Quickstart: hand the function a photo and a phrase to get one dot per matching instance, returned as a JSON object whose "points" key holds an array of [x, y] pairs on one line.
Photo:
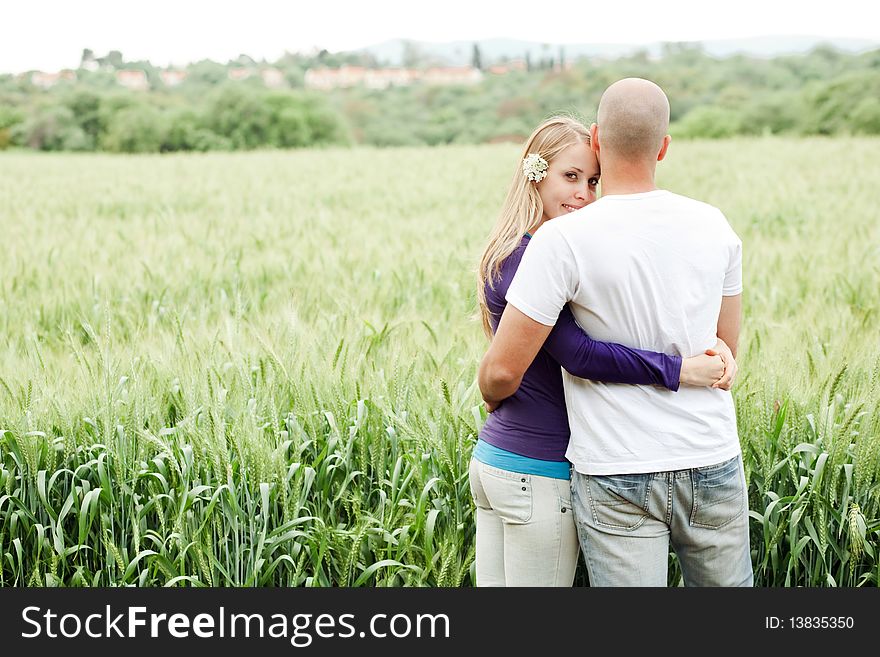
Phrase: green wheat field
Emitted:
{"points": [[258, 369]]}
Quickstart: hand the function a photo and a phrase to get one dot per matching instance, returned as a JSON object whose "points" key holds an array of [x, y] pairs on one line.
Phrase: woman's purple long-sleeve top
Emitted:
{"points": [[533, 421]]}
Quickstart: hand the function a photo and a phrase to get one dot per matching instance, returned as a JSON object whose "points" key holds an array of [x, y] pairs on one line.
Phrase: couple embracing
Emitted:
{"points": [[614, 324]]}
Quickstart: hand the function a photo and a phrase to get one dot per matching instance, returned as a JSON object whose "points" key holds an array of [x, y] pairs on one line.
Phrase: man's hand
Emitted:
{"points": [[491, 406], [730, 367]]}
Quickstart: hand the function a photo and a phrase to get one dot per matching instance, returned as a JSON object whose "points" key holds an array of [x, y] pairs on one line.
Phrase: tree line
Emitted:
{"points": [[823, 92]]}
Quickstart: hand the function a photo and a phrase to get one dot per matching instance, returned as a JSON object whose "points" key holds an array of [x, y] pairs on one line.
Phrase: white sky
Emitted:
{"points": [[50, 35]]}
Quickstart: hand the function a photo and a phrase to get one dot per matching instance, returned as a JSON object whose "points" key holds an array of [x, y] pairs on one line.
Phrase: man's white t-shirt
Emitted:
{"points": [[646, 270]]}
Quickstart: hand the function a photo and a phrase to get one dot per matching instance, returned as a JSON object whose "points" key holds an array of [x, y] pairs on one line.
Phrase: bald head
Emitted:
{"points": [[633, 119]]}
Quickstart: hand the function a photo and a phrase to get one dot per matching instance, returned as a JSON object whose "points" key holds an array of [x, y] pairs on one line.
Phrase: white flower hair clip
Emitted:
{"points": [[534, 167]]}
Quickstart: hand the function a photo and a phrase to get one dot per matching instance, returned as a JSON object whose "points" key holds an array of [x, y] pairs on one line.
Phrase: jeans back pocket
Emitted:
{"points": [[618, 501], [509, 493], [719, 494]]}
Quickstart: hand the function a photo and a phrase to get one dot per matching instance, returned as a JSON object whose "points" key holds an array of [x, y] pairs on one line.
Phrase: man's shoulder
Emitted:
{"points": [[552, 243], [562, 227], [549, 231], [693, 204], [705, 214]]}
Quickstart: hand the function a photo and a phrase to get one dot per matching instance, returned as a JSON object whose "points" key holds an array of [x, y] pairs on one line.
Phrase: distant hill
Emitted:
{"points": [[459, 53]]}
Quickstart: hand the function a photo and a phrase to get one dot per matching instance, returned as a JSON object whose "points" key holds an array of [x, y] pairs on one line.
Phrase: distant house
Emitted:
{"points": [[46, 80], [335, 78], [344, 77], [452, 75], [382, 78], [173, 78], [240, 73], [508, 67], [132, 80], [273, 78]]}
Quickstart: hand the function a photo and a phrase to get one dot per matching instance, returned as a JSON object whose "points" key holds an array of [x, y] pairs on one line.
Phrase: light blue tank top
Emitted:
{"points": [[501, 458]]}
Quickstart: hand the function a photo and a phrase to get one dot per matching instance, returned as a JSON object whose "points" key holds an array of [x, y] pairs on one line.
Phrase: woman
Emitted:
{"points": [[519, 476]]}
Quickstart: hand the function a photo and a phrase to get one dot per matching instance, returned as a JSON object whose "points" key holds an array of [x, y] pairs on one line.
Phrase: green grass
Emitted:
{"points": [[258, 369]]}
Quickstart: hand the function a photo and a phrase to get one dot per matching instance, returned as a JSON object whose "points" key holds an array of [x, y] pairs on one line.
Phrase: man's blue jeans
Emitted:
{"points": [[626, 523]]}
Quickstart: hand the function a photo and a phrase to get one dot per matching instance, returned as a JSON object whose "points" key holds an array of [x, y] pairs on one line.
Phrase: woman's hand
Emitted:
{"points": [[716, 367], [491, 406], [703, 370], [730, 367]]}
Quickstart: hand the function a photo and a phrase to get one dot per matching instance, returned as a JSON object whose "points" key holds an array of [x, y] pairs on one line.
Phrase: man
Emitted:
{"points": [[659, 271]]}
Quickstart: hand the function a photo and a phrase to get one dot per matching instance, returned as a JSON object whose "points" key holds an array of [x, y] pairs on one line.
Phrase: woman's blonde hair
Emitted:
{"points": [[523, 208]]}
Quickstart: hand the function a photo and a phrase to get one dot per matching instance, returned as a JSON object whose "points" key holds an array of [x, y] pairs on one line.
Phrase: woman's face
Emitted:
{"points": [[571, 181]]}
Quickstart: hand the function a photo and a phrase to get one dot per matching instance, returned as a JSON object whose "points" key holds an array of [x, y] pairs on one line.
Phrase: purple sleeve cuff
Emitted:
{"points": [[610, 362]]}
